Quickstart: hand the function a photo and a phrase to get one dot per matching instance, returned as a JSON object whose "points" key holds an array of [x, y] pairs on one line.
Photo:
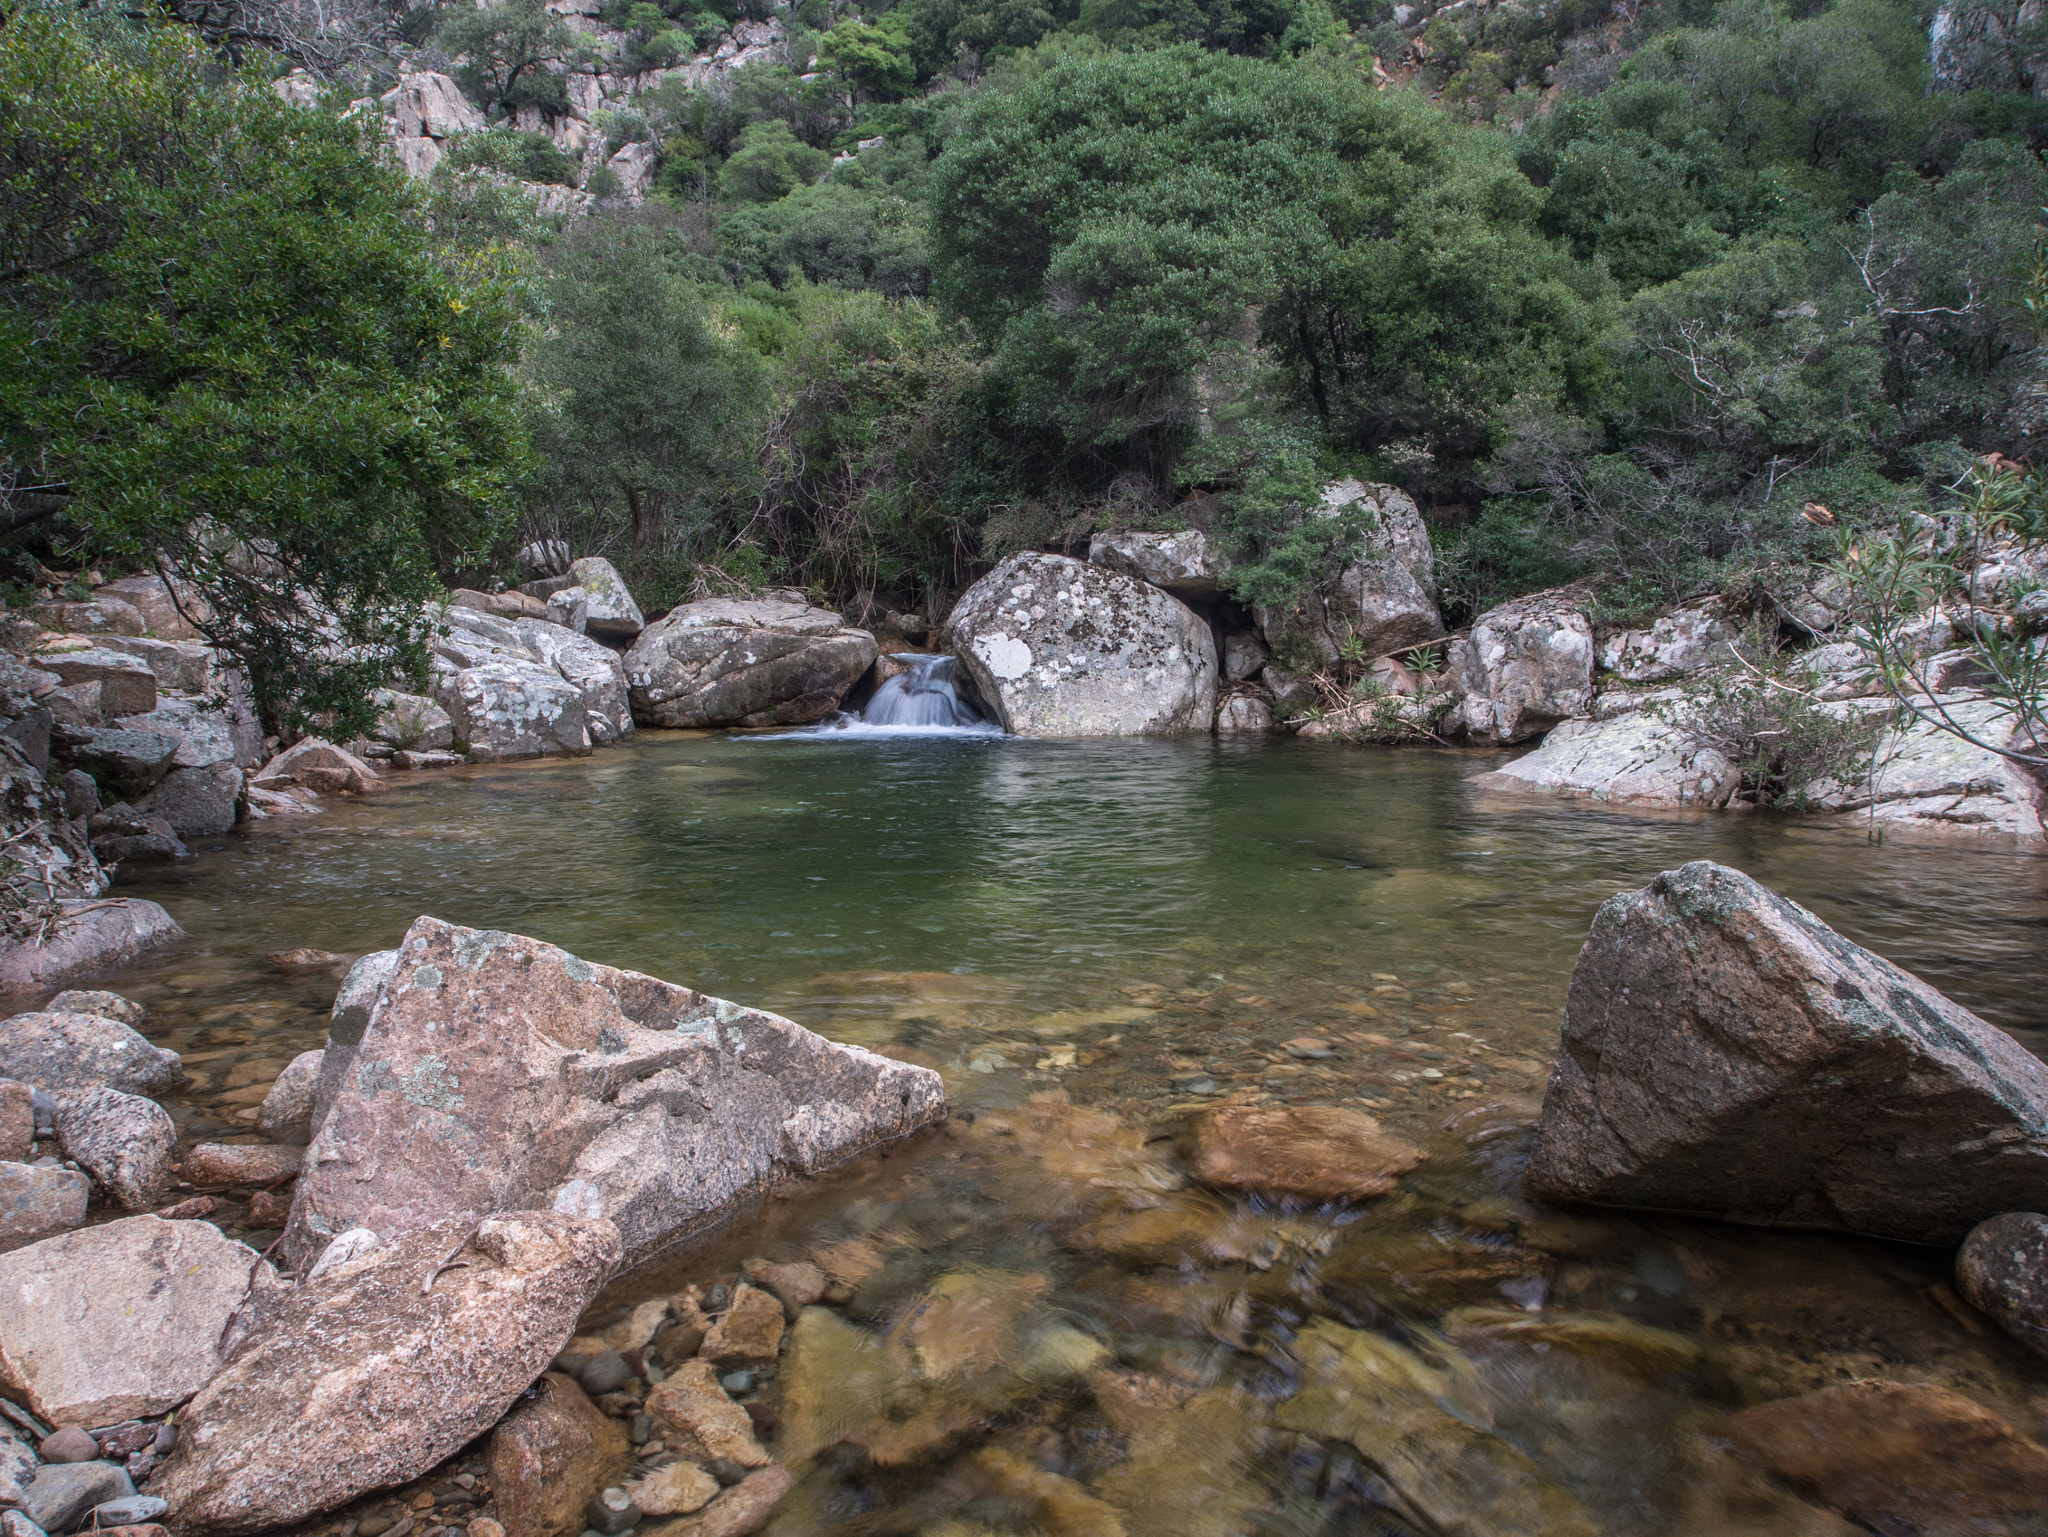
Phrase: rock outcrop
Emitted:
{"points": [[499, 1073], [1638, 759], [422, 112], [1925, 780], [1727, 1053], [384, 1366], [1379, 600], [1058, 647], [119, 1320], [1182, 563], [1524, 667], [745, 662]]}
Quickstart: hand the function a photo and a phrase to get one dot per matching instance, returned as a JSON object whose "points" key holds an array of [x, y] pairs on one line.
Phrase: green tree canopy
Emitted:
{"points": [[228, 341]]}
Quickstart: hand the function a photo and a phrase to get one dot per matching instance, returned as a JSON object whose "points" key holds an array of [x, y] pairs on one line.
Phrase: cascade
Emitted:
{"points": [[922, 696]]}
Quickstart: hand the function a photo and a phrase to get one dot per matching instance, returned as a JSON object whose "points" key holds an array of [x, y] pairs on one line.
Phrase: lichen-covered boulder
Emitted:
{"points": [[1683, 641], [1637, 759], [513, 709], [410, 722], [596, 671], [1058, 647], [197, 802], [1727, 1053], [498, 1073], [609, 611], [1379, 599], [1182, 563], [1525, 666], [745, 662]]}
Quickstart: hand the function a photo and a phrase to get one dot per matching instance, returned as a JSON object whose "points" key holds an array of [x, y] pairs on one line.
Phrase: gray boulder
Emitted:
{"points": [[127, 685], [197, 802], [207, 735], [595, 670], [88, 937], [770, 661], [1057, 647], [410, 721], [1244, 656], [1181, 563], [130, 763], [1930, 782], [2002, 1270], [511, 710], [63, 1494], [1681, 642], [1636, 759], [183, 666], [382, 1368], [122, 1140], [38, 1202], [286, 1114], [140, 1337], [168, 607], [1245, 715], [609, 611], [1524, 667], [1378, 600], [83, 1051], [1727, 1053], [569, 607], [498, 1073], [106, 1005]]}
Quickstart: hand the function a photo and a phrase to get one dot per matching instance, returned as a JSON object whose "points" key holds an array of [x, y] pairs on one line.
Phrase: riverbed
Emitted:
{"points": [[1089, 938]]}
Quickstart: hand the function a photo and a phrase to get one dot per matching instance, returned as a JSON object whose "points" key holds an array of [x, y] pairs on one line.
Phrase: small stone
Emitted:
{"points": [[743, 1508], [373, 1526], [1314, 1048], [268, 1210], [679, 1342], [71, 1444], [2002, 1268], [547, 1455], [122, 1140], [484, 1526], [63, 1492], [1315, 1152], [218, 1165], [737, 1383], [700, 1421], [286, 1114], [750, 1332], [676, 1490], [606, 1373], [198, 1206], [129, 1511]]}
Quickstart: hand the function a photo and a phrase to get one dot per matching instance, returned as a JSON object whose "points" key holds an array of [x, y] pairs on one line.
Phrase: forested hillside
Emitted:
{"points": [[860, 300]]}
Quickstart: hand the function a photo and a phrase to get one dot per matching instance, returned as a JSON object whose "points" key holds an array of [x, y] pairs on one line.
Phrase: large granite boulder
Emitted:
{"points": [[84, 938], [129, 763], [1638, 759], [498, 1073], [118, 1320], [525, 688], [197, 802], [1380, 598], [1727, 1053], [595, 670], [83, 1051], [1524, 667], [745, 662], [381, 1368], [1681, 642], [207, 735], [1927, 781], [182, 666], [1058, 647], [609, 612], [410, 722], [1182, 563]]}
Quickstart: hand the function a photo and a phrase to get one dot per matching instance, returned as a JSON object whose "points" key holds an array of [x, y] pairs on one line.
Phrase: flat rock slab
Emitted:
{"points": [[83, 1051], [378, 1371], [93, 935], [498, 1073], [1727, 1053], [1632, 760], [1314, 1152], [117, 1321]]}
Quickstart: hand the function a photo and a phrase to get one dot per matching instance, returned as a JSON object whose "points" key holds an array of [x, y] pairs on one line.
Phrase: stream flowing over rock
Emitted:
{"points": [[1727, 1053], [769, 661], [498, 1073], [374, 1373], [1058, 647]]}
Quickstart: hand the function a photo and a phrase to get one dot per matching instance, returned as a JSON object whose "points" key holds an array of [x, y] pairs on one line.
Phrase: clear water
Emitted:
{"points": [[1123, 929]]}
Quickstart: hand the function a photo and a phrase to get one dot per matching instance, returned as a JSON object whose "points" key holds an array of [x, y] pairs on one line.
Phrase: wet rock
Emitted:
{"points": [[1181, 563], [732, 662], [71, 1444], [197, 802], [1314, 1152], [1444, 1472], [748, 1334], [1052, 1503], [547, 1457], [122, 1140], [140, 1339], [383, 1369], [39, 1203], [17, 1122], [127, 686], [676, 1490], [605, 1372], [1194, 1457], [83, 1051], [1609, 1338], [1056, 647], [637, 1327], [2002, 1269], [497, 1072], [63, 1494], [1683, 641], [1244, 714], [796, 1286], [1726, 1052], [1638, 759], [609, 610], [697, 1419], [1524, 667], [217, 1165], [742, 1509], [1898, 1457], [321, 767], [91, 935], [286, 1114]]}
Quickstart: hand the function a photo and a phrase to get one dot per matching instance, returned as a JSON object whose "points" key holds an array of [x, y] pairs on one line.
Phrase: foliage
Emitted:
{"points": [[228, 343], [506, 49], [832, 233], [769, 163]]}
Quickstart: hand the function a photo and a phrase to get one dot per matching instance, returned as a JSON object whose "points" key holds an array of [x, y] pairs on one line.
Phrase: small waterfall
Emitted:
{"points": [[922, 696]]}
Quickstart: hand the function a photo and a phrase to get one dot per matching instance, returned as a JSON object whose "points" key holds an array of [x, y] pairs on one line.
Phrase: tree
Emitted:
{"points": [[646, 408], [872, 62], [769, 162], [507, 49], [229, 345]]}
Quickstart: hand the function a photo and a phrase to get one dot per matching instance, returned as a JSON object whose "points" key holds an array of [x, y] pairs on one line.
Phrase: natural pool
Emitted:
{"points": [[1124, 929]]}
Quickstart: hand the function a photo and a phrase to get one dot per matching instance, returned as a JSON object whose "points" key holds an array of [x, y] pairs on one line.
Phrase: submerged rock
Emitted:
{"points": [[744, 662], [141, 1335], [1727, 1053], [548, 1456], [2002, 1269], [700, 1421], [83, 1051], [1636, 759], [1057, 647], [499, 1073], [382, 1369], [1314, 1152], [1525, 666]]}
